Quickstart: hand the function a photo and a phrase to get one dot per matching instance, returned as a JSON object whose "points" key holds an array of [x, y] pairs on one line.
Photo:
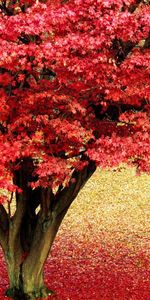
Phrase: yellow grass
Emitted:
{"points": [[114, 205]]}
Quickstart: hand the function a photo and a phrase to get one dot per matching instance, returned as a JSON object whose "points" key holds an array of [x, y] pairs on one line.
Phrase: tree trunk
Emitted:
{"points": [[27, 237], [26, 273]]}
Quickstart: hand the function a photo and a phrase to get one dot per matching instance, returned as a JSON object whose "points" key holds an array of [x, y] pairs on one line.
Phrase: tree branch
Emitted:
{"points": [[5, 9], [65, 197], [132, 8]]}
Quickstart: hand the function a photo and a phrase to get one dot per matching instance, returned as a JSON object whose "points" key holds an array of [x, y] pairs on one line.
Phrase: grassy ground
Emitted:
{"points": [[102, 249], [116, 203]]}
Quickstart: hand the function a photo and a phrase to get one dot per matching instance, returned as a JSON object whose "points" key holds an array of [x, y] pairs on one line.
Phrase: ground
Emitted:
{"points": [[101, 250]]}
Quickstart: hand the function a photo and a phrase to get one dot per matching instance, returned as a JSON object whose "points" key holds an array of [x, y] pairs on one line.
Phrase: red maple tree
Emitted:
{"points": [[75, 92]]}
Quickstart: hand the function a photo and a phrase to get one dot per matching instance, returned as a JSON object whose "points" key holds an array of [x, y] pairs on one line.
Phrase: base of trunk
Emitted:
{"points": [[18, 294]]}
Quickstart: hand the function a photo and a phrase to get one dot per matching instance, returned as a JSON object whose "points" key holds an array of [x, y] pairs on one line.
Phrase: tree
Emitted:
{"points": [[75, 92]]}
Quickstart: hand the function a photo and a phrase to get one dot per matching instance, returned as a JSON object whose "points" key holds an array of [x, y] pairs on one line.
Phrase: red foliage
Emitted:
{"points": [[94, 273], [64, 69]]}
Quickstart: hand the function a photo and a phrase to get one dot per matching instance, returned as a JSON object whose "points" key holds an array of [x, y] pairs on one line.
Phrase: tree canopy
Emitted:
{"points": [[74, 94], [74, 87]]}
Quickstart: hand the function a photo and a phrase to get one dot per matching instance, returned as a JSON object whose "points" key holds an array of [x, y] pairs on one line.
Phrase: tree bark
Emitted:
{"points": [[30, 235]]}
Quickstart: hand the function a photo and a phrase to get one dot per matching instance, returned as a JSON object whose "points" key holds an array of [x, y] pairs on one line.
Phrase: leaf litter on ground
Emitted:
{"points": [[101, 251]]}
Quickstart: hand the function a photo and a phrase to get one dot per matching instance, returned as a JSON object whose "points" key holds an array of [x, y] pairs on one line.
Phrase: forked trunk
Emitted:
{"points": [[28, 235], [26, 274]]}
